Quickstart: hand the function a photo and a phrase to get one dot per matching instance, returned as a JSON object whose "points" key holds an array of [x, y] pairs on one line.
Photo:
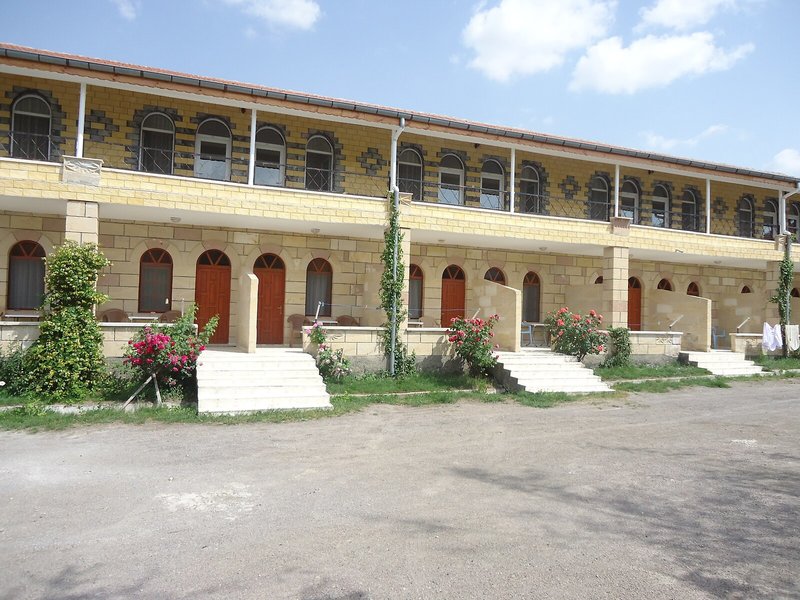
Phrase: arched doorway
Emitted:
{"points": [[271, 273], [531, 298], [212, 293], [453, 294], [634, 304]]}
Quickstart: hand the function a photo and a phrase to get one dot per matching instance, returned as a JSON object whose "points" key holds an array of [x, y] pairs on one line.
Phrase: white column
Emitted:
{"points": [[708, 205], [513, 177], [251, 168], [616, 190], [81, 121], [782, 212]]}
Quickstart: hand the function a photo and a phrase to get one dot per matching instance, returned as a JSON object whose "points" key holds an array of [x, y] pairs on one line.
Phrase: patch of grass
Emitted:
{"points": [[777, 363], [417, 382], [7, 399], [544, 399], [668, 385], [648, 371]]}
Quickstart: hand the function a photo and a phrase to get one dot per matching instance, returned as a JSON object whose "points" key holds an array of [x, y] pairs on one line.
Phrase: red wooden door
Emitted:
{"points": [[271, 274], [634, 304], [453, 294], [213, 293]]}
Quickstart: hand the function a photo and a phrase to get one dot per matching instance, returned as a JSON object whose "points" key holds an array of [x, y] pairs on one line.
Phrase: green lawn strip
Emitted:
{"points": [[773, 363], [648, 371], [658, 386], [9, 400], [418, 382]]}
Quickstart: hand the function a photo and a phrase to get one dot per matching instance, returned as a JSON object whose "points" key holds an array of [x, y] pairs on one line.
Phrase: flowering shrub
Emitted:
{"points": [[331, 363], [170, 351], [574, 334], [472, 339]]}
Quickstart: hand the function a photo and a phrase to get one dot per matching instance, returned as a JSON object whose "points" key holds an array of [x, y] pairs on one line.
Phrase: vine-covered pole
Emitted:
{"points": [[395, 191]]}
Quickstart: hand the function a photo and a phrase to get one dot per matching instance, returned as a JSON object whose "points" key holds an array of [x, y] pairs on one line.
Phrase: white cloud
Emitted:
{"points": [[129, 9], [523, 37], [664, 144], [787, 161], [651, 62], [298, 14], [683, 14]]}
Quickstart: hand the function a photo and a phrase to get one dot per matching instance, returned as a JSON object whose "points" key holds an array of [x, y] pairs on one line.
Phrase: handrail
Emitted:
{"points": [[740, 325], [671, 325]]}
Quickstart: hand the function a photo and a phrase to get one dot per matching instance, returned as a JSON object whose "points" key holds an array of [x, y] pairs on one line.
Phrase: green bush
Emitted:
{"points": [[472, 339], [331, 363], [67, 360], [619, 354], [12, 370]]}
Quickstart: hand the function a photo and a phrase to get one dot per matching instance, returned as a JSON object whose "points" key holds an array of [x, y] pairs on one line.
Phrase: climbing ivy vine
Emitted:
{"points": [[391, 294], [785, 280]]}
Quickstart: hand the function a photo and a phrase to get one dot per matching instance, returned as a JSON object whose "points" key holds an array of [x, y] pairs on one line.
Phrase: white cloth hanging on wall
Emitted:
{"points": [[793, 337], [778, 337], [768, 338]]}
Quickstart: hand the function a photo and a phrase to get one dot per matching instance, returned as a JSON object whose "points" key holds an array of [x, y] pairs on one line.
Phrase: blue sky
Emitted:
{"points": [[709, 79]]}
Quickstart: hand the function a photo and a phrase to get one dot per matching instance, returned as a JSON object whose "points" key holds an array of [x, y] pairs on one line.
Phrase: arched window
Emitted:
{"points": [[451, 180], [665, 285], [409, 173], [770, 228], [689, 216], [693, 290], [25, 276], [795, 293], [598, 199], [531, 298], [793, 218], [155, 281], [30, 128], [270, 164], [319, 287], [530, 199], [319, 164], [415, 288], [629, 201], [213, 150], [599, 280], [744, 215], [746, 290], [492, 185], [496, 275], [157, 144], [659, 217]]}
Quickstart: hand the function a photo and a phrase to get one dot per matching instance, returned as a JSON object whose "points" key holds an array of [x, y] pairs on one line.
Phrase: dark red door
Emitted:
{"points": [[213, 293], [453, 294], [634, 304], [271, 273]]}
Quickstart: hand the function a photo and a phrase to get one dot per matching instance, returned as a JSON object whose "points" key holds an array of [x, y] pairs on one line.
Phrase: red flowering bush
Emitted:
{"points": [[472, 339], [170, 351], [575, 334]]}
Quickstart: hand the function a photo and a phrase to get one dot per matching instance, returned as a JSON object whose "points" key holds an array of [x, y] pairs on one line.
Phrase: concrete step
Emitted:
{"points": [[269, 379], [724, 364], [542, 370]]}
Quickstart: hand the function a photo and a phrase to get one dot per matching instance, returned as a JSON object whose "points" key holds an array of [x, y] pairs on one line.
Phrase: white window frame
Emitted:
{"points": [[632, 196], [746, 206], [770, 210], [449, 186], [205, 137], [419, 165], [499, 178], [793, 216], [524, 196], [695, 214], [143, 128], [281, 150], [15, 112], [605, 191], [329, 154], [666, 199]]}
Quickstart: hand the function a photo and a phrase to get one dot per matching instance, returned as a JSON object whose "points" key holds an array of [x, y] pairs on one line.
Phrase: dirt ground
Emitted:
{"points": [[692, 494]]}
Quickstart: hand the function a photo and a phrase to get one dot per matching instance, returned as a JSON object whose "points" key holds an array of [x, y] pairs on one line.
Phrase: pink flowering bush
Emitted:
{"points": [[331, 363], [472, 340], [575, 334], [169, 351]]}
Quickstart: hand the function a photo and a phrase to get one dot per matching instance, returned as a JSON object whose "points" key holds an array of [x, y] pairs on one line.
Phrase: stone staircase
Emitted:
{"points": [[272, 378], [721, 362], [542, 370]]}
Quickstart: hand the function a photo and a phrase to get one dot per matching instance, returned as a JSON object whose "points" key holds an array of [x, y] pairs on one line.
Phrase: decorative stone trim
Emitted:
{"points": [[85, 171]]}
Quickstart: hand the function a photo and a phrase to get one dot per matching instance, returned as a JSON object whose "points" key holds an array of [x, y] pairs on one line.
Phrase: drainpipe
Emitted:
{"points": [[81, 121], [396, 193]]}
